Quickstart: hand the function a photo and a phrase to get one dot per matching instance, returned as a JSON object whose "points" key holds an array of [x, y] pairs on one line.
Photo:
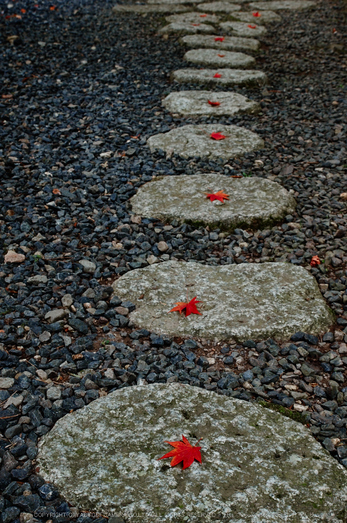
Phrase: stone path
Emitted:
{"points": [[217, 58], [195, 140], [253, 202], [262, 18], [241, 29], [244, 302], [197, 102], [104, 458], [230, 43], [184, 28], [224, 77]]}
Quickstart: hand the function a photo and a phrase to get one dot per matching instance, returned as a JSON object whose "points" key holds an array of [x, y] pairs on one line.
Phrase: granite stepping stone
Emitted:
{"points": [[241, 301], [195, 140], [221, 7], [197, 103], [215, 58], [143, 9], [241, 29], [191, 18], [253, 202], [230, 43], [298, 5], [183, 28], [104, 458], [265, 17], [224, 77]]}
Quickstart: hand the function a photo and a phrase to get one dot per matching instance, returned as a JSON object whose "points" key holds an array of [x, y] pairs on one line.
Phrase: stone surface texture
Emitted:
{"points": [[296, 5], [158, 2], [162, 8], [241, 302], [219, 7], [186, 28], [242, 29], [257, 465], [13, 257], [192, 18], [215, 58], [195, 140], [265, 17], [230, 43], [252, 201], [229, 77], [196, 102]]}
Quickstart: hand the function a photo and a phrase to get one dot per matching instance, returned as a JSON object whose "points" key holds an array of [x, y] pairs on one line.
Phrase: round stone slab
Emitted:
{"points": [[265, 16], [219, 7], [240, 302], [230, 43], [143, 9], [241, 29], [186, 28], [192, 18], [284, 4], [216, 58], [195, 140], [257, 465], [226, 77], [196, 103], [252, 201]]}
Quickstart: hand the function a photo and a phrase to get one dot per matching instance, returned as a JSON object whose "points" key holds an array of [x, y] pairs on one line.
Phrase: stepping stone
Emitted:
{"points": [[221, 7], [216, 58], [249, 301], [187, 28], [265, 16], [170, 1], [192, 18], [252, 201], [257, 465], [284, 4], [196, 103], [135, 8], [228, 77], [241, 29], [195, 140], [230, 43]]}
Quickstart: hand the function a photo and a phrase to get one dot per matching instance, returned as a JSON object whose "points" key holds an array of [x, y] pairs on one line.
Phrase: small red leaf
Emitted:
{"points": [[315, 261], [202, 16], [219, 195], [256, 14], [195, 25], [217, 75], [219, 39], [214, 104], [252, 26], [183, 451], [221, 55], [217, 136], [190, 307]]}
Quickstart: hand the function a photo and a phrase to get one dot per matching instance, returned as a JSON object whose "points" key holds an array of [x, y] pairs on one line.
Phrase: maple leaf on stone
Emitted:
{"points": [[315, 261], [183, 451], [252, 26], [219, 195], [219, 39], [217, 75], [217, 136], [214, 104], [221, 55], [189, 307], [256, 14]]}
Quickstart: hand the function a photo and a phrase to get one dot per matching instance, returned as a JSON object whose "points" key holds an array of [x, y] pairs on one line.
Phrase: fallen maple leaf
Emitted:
{"points": [[219, 195], [183, 451], [219, 39], [217, 75], [252, 26], [190, 307], [202, 16], [56, 191], [315, 261], [221, 55], [217, 136], [256, 14], [23, 11], [52, 8], [213, 103], [195, 25]]}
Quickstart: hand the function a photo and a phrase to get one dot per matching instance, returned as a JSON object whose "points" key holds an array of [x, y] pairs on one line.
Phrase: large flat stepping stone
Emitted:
{"points": [[184, 28], [257, 465], [230, 43], [195, 140], [197, 103], [193, 18], [217, 58], [143, 9], [219, 7], [224, 77], [265, 17], [252, 201], [240, 302], [158, 2], [297, 5], [241, 29]]}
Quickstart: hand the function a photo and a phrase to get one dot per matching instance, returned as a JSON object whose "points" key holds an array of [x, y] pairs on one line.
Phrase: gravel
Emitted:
{"points": [[81, 93]]}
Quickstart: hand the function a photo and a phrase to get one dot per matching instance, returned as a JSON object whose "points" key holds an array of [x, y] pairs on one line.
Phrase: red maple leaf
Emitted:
{"points": [[221, 55], [213, 103], [202, 16], [217, 136], [195, 25], [252, 26], [217, 75], [183, 451], [219, 39], [315, 261], [219, 195], [190, 307], [256, 14]]}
